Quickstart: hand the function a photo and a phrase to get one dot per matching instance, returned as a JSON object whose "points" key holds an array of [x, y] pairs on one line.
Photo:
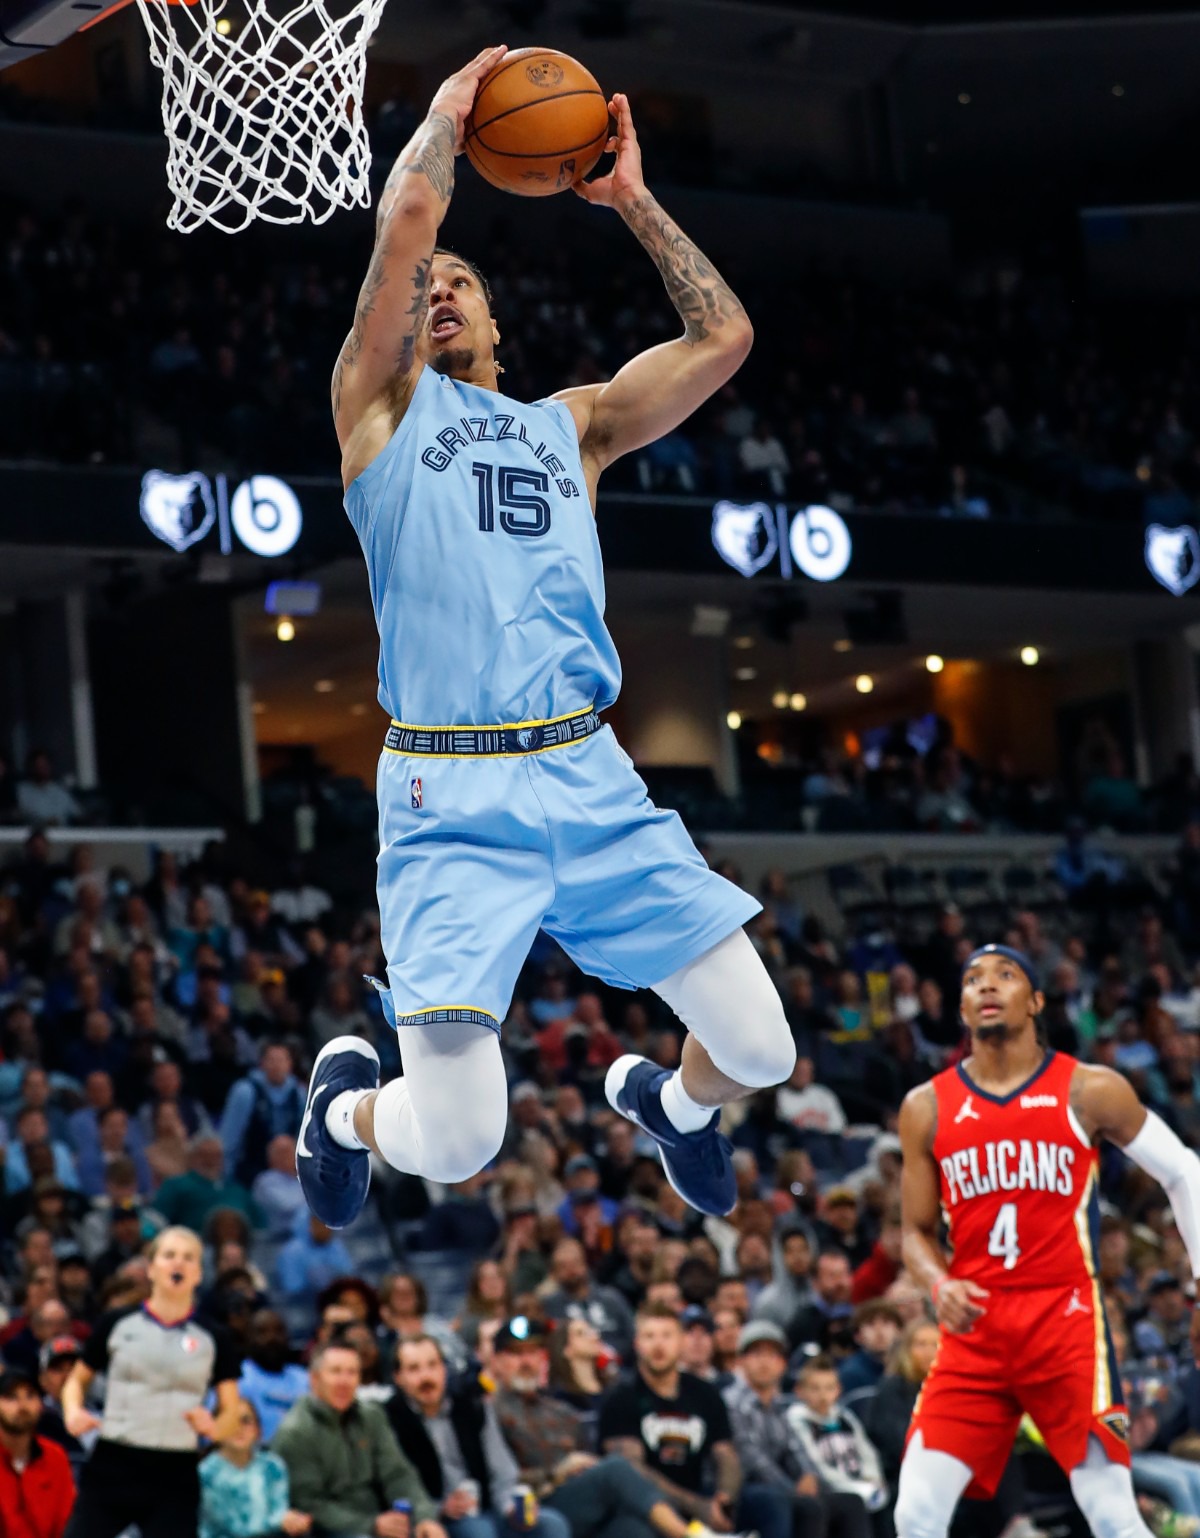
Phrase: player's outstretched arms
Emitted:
{"points": [[1105, 1105], [661, 387], [958, 1303], [378, 358]]}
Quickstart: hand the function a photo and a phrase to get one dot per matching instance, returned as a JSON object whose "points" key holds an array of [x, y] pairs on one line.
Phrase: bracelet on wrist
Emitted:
{"points": [[933, 1291]]}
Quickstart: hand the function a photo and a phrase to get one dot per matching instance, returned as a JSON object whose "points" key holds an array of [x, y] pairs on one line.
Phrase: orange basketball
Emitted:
{"points": [[539, 123]]}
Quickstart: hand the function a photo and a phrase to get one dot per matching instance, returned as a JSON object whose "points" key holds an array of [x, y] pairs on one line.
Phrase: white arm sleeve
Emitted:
{"points": [[1158, 1151]]}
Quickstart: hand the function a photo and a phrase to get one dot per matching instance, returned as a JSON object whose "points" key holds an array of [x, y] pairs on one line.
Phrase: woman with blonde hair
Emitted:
{"points": [[159, 1364], [886, 1418]]}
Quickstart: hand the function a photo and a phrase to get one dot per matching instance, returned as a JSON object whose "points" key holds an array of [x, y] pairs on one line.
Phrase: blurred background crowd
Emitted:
{"points": [[155, 1043], [1008, 392]]}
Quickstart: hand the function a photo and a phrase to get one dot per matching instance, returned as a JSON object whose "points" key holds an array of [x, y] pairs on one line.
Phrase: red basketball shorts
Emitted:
{"points": [[1045, 1353]]}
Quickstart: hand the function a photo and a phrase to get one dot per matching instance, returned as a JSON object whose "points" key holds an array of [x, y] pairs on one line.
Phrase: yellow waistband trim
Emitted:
{"points": [[503, 726]]}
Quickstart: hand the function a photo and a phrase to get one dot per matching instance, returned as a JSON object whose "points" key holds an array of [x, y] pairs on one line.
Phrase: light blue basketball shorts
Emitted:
{"points": [[476, 854]]}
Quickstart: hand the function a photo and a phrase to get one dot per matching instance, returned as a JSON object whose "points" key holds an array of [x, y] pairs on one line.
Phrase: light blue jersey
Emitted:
{"points": [[488, 591], [485, 567]]}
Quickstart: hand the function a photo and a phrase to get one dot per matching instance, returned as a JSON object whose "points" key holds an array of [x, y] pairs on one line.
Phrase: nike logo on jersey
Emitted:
{"points": [[1032, 1102], [303, 1151], [1076, 1305], [967, 1112]]}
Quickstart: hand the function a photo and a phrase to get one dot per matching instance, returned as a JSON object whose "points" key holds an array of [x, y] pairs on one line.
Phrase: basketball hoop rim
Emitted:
{"points": [[120, 5]]}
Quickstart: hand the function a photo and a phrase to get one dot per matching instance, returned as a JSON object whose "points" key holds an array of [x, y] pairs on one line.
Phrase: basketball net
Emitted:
{"points": [[263, 113]]}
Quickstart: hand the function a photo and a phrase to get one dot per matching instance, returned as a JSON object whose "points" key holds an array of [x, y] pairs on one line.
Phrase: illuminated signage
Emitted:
{"points": [[264, 512], [1173, 557], [750, 536]]}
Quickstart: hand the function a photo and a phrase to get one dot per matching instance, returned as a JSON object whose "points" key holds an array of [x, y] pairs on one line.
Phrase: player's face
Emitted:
{"points": [[459, 332], [998, 1003]]}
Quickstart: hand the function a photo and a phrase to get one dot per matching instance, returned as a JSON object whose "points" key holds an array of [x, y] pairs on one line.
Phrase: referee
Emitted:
{"points": [[159, 1365]]}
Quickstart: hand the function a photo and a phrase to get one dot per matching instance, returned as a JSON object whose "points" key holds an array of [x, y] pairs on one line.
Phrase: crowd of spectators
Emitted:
{"points": [[909, 777], [559, 1343], [130, 346]]}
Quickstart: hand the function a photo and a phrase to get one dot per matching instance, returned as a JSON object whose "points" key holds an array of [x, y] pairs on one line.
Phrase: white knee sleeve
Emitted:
{"points": [[1103, 1491], [729, 1003], [447, 1116], [931, 1486]]}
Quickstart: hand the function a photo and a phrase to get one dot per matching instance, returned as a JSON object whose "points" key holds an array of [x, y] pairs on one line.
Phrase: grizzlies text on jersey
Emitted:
{"points": [[485, 568]]}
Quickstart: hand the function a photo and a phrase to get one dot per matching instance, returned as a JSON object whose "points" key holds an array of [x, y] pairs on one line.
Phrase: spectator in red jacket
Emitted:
{"points": [[37, 1491], [882, 1266]]}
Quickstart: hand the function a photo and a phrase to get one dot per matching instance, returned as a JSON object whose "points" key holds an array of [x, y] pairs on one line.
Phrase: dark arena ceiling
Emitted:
{"points": [[965, 13]]}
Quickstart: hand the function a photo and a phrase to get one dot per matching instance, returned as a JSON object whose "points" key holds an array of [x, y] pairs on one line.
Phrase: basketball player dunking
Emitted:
{"points": [[504, 805], [1004, 1147]]}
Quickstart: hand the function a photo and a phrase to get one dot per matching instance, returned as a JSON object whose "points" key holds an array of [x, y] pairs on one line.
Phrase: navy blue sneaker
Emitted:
{"points": [[335, 1179], [698, 1164]]}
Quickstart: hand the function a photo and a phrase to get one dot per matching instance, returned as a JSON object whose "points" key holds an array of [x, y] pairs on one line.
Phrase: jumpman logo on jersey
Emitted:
{"points": [[967, 1112], [1076, 1305]]}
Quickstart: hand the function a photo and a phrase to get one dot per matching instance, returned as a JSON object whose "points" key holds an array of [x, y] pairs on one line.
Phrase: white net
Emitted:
{"points": [[263, 113]]}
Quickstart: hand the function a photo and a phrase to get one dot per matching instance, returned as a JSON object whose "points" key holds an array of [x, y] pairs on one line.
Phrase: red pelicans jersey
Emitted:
{"points": [[1018, 1181]]}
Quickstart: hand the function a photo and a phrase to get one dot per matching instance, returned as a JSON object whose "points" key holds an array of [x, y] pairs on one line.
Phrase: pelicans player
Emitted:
{"points": [[1004, 1147]]}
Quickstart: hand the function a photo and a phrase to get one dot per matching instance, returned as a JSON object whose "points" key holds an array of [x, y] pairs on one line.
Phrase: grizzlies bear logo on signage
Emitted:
{"points": [[1173, 557], [178, 509], [744, 536]]}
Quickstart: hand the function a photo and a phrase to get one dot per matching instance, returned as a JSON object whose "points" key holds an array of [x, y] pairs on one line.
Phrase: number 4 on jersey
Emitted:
{"points": [[1002, 1241]]}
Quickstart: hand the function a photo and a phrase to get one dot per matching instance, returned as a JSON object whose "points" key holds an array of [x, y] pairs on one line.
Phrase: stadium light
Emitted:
{"points": [[934, 663], [733, 720], [864, 683], [1030, 656], [285, 630], [780, 699], [798, 701]]}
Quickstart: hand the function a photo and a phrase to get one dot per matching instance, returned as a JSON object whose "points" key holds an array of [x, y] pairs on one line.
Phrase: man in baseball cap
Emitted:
{"points": [[55, 1361], [37, 1491]]}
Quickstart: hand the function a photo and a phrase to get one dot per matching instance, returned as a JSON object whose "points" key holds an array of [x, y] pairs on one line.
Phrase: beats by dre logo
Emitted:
{"points": [[750, 537], [264, 512]]}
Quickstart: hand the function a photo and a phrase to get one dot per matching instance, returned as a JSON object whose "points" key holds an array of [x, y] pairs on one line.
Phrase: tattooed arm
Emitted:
{"points": [[661, 387], [377, 365]]}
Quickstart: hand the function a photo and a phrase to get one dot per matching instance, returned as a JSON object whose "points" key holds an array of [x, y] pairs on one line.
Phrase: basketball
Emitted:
{"points": [[539, 124]]}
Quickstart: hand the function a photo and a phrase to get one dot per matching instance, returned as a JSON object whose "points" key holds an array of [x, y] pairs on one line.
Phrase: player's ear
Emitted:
{"points": [[495, 334], [1038, 1001]]}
